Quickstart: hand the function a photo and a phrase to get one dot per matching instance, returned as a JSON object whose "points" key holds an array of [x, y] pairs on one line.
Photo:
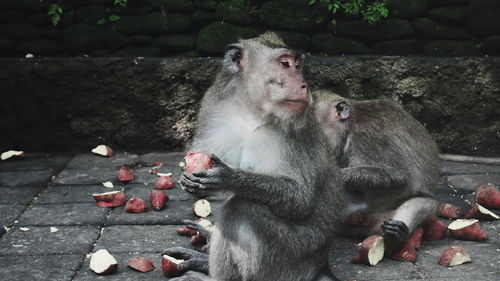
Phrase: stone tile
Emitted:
{"points": [[64, 214], [465, 184], [26, 178], [68, 240], [54, 268], [170, 159], [31, 162], [9, 213], [140, 238], [124, 273], [19, 194], [484, 265], [87, 176], [340, 263], [174, 213], [58, 194], [90, 160], [447, 195], [175, 194], [457, 168]]}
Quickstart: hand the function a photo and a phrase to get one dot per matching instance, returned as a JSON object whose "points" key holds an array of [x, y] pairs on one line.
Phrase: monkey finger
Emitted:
{"points": [[199, 265], [217, 161], [203, 180], [398, 224], [179, 253], [193, 225]]}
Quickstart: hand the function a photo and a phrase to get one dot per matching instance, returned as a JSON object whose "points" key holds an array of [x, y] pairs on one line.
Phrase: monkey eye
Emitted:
{"points": [[285, 64]]}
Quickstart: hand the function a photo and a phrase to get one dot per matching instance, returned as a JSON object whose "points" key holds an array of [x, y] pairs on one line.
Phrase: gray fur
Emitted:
{"points": [[286, 191], [387, 159]]}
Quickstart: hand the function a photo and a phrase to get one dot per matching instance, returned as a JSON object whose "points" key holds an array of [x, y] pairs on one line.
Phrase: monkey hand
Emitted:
{"points": [[194, 260], [395, 233], [200, 184], [192, 276], [198, 227]]}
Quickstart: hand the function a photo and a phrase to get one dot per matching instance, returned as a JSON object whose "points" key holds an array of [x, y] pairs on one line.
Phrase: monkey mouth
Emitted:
{"points": [[296, 105]]}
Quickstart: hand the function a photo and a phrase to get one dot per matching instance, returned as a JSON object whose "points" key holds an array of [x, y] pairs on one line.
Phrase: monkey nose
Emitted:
{"points": [[303, 85]]}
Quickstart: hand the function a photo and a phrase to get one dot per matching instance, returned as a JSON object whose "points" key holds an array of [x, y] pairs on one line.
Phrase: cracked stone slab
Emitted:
{"points": [[9, 213], [173, 213], [457, 168], [69, 240], [64, 214], [465, 184], [140, 239], [26, 178], [54, 267], [19, 194], [484, 265], [83, 161], [124, 273], [87, 176], [59, 194], [387, 270], [32, 162], [170, 159]]}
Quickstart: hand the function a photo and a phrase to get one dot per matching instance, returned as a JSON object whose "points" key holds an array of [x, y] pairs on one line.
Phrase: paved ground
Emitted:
{"points": [[40, 191]]}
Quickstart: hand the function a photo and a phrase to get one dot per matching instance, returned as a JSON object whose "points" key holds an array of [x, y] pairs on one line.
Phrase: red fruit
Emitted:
{"points": [[434, 229], [448, 211], [103, 150], [184, 231], [372, 250], [164, 182], [169, 266], [488, 196], [135, 205], [141, 264], [407, 251], [467, 230], [157, 164], [110, 199], [158, 199], [454, 256], [481, 213], [125, 174], [197, 162], [198, 239]]}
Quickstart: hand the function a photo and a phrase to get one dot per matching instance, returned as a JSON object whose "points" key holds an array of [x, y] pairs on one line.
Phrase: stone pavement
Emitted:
{"points": [[41, 191]]}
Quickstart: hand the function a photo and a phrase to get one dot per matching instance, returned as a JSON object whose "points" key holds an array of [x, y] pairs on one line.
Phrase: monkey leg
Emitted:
{"points": [[407, 218]]}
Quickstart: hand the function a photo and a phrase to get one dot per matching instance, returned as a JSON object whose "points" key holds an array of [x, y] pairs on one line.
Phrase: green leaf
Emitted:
{"points": [[101, 21], [312, 2], [113, 18]]}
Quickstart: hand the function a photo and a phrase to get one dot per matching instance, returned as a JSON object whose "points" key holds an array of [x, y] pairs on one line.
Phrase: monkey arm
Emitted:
{"points": [[371, 177]]}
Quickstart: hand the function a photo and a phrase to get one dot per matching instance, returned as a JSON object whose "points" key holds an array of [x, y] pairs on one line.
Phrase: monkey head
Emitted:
{"points": [[270, 76], [333, 113]]}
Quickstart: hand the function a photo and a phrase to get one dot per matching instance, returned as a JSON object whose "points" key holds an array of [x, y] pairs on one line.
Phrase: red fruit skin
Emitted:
{"points": [[170, 268], [158, 199], [357, 259], [449, 211], [366, 245], [141, 264], [434, 229], [474, 213], [125, 174], [135, 205], [164, 182], [488, 196], [111, 200], [407, 251], [448, 254], [197, 162], [473, 232], [157, 164], [198, 240], [184, 231]]}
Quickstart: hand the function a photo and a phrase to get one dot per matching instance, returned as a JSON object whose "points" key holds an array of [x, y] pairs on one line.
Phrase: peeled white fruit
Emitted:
{"points": [[103, 150], [8, 154], [202, 208], [102, 262]]}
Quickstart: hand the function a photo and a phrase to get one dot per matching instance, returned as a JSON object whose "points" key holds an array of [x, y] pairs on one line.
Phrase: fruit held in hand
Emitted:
{"points": [[110, 199], [202, 208], [371, 250], [125, 173], [135, 205], [102, 262], [469, 229], [184, 231], [434, 229], [488, 196], [408, 252], [169, 266], [449, 211], [103, 150], [158, 199], [198, 239], [197, 162], [454, 256], [481, 213], [141, 264], [164, 182]]}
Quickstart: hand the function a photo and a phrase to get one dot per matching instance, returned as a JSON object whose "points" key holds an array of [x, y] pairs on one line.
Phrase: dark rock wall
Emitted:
{"points": [[144, 104], [203, 27]]}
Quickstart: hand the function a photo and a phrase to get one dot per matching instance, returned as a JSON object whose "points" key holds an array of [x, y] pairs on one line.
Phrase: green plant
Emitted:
{"points": [[371, 10], [54, 13]]}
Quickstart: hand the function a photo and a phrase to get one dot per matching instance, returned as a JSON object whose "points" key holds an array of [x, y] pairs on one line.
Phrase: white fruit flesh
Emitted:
{"points": [[485, 211], [8, 154], [376, 253], [101, 261], [459, 258], [459, 224], [202, 208], [172, 259], [205, 223]]}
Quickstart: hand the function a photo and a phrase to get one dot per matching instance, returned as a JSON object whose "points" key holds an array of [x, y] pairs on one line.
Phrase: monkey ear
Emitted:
{"points": [[233, 58], [341, 109]]}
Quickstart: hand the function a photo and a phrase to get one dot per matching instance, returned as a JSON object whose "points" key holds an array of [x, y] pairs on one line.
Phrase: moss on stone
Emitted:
{"points": [[214, 37]]}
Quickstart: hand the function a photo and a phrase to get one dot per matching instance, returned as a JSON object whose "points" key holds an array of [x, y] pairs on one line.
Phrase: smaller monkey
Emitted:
{"points": [[389, 165]]}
